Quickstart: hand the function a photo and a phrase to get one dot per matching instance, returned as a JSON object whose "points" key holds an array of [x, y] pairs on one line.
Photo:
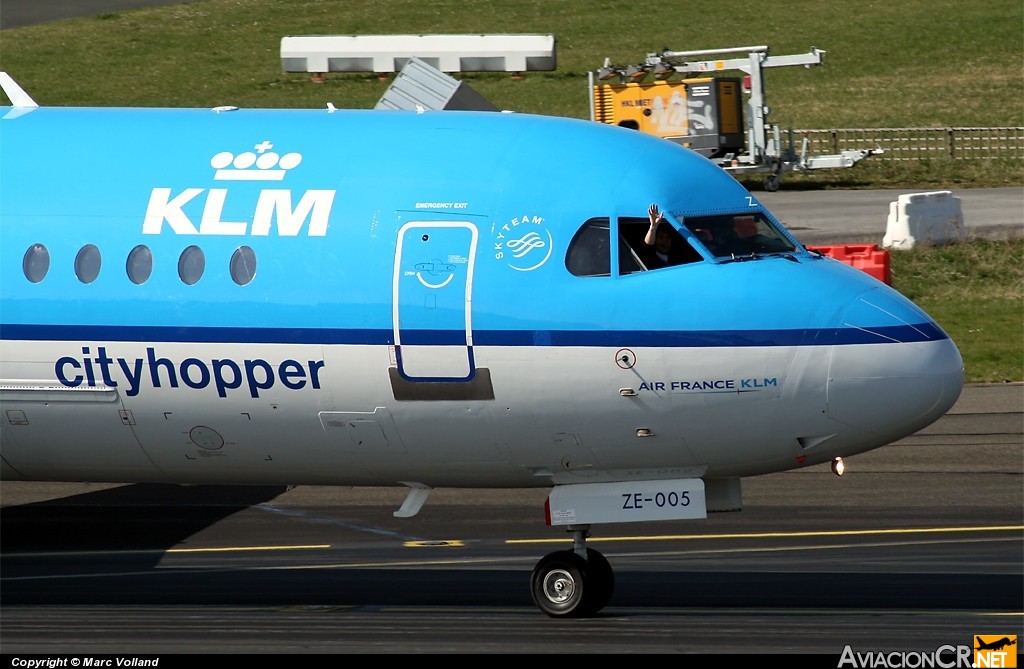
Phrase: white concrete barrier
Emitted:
{"points": [[389, 53], [924, 218]]}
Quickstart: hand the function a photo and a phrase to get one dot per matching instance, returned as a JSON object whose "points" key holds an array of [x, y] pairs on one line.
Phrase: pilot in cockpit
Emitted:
{"points": [[662, 250]]}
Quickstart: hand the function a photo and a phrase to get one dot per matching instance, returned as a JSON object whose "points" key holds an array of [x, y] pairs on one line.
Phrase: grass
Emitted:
{"points": [[915, 63], [975, 292], [878, 172], [911, 63]]}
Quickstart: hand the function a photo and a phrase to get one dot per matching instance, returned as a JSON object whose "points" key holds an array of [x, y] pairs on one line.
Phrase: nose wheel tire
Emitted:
{"points": [[564, 585]]}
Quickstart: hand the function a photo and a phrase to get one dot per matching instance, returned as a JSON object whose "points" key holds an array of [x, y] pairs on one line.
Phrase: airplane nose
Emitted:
{"points": [[893, 370]]}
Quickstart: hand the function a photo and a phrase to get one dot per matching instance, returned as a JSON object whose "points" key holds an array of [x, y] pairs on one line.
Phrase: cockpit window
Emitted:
{"points": [[589, 252], [636, 255], [736, 235]]}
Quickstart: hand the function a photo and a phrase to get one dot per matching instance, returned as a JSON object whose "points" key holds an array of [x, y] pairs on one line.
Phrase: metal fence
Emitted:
{"points": [[917, 143]]}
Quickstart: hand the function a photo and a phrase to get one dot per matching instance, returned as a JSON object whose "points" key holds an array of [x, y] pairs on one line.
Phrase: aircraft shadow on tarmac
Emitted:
{"points": [[144, 518], [113, 543], [496, 587], [47, 561]]}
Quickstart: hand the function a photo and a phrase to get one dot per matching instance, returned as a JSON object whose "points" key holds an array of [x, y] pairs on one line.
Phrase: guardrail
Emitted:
{"points": [[917, 143]]}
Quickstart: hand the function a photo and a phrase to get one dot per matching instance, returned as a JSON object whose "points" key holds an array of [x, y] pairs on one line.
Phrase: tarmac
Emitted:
{"points": [[18, 13], [861, 216]]}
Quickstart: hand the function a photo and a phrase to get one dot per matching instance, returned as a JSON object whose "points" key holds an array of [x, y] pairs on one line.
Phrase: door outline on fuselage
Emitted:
{"points": [[434, 263]]}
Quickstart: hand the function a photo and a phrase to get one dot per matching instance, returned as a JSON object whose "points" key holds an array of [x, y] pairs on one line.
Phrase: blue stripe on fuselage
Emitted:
{"points": [[927, 331]]}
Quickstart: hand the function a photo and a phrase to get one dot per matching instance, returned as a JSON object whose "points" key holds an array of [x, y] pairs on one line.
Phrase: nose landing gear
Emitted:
{"points": [[574, 583]]}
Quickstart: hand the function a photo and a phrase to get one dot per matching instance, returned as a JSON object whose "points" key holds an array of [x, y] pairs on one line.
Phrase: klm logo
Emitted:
{"points": [[274, 208]]}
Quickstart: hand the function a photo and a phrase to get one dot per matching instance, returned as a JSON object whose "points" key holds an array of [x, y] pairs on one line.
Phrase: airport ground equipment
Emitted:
{"points": [[421, 86], [705, 110], [319, 54], [935, 217], [865, 257]]}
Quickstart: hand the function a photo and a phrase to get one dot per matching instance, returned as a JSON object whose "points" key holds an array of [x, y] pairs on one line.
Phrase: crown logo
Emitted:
{"points": [[261, 164]]}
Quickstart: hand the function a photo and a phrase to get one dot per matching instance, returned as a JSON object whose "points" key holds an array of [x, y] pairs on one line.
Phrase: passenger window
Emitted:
{"points": [[36, 263], [243, 265], [140, 264], [87, 263], [589, 252], [191, 265]]}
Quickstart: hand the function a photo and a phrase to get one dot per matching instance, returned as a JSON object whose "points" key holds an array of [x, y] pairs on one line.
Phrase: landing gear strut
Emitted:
{"points": [[575, 583]]}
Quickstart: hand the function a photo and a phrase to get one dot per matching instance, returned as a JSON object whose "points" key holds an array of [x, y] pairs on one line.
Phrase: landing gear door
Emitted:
{"points": [[432, 305]]}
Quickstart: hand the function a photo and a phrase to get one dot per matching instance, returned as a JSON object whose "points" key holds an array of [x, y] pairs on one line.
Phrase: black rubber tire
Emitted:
{"points": [[601, 579], [564, 585]]}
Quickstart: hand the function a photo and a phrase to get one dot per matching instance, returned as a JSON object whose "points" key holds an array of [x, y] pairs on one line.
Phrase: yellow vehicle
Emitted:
{"points": [[706, 113]]}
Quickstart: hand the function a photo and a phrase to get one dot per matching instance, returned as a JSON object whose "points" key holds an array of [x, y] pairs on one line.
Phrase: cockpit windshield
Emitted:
{"points": [[738, 235], [725, 236]]}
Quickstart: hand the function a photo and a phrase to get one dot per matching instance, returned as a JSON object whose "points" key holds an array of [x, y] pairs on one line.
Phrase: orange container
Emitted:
{"points": [[866, 257]]}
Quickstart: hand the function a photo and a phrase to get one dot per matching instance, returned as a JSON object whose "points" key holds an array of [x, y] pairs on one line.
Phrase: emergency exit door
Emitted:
{"points": [[432, 300]]}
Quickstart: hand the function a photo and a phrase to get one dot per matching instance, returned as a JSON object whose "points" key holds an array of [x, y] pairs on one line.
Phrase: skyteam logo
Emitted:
{"points": [[524, 243], [271, 210]]}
